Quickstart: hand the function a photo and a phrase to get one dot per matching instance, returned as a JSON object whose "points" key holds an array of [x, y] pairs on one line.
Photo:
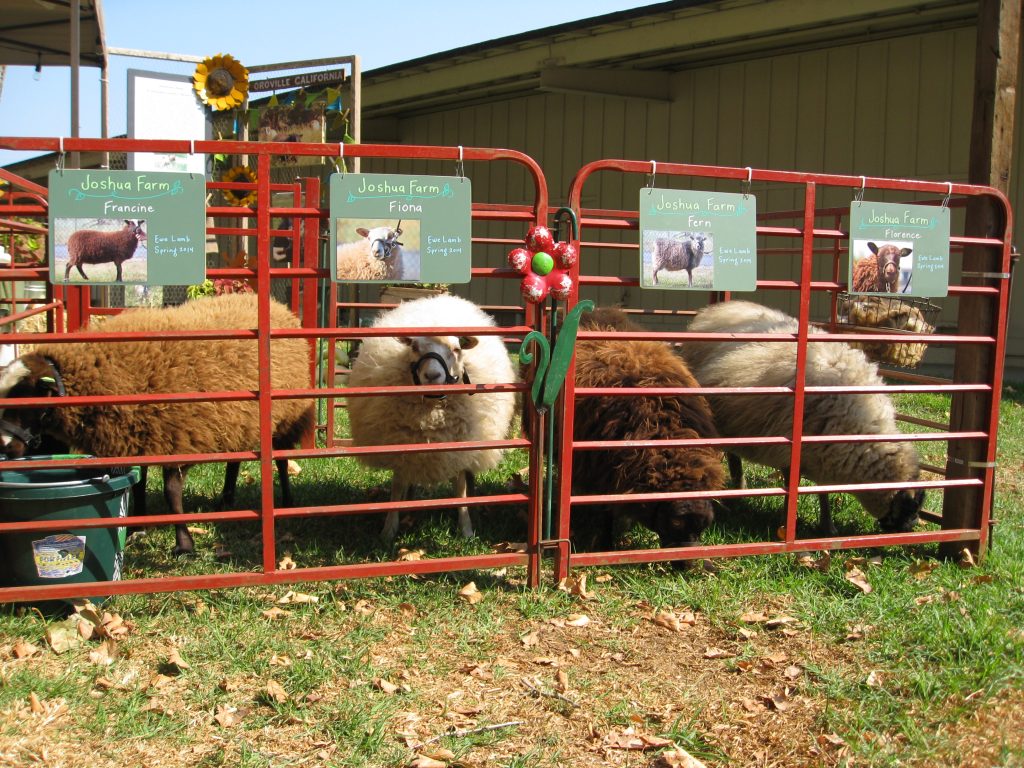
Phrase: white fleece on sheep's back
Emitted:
{"points": [[773, 364], [384, 361]]}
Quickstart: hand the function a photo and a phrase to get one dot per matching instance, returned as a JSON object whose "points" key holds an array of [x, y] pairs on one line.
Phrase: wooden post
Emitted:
{"points": [[996, 63]]}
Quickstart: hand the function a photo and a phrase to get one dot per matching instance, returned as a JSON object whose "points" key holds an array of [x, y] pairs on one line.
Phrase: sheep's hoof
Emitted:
{"points": [[180, 551]]}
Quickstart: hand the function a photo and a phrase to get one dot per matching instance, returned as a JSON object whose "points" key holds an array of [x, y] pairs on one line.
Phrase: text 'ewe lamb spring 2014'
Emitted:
{"points": [[619, 363], [435, 360], [89, 246], [744, 363], [164, 366]]}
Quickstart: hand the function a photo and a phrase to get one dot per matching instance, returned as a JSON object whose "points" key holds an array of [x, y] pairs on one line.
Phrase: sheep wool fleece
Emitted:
{"points": [[158, 366], [398, 420]]}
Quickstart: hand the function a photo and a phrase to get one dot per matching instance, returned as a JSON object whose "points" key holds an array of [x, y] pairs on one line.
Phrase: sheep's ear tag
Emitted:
{"points": [[553, 366]]}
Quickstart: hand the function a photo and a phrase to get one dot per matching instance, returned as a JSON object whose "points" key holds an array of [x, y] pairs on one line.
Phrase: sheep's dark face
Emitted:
{"points": [[889, 256], [21, 428], [903, 512], [281, 245], [437, 360], [681, 523], [136, 229]]}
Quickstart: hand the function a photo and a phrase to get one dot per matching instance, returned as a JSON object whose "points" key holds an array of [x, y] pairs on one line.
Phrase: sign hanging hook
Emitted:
{"points": [[340, 162], [949, 192], [650, 177], [460, 168], [60, 157], [746, 184], [859, 196]]}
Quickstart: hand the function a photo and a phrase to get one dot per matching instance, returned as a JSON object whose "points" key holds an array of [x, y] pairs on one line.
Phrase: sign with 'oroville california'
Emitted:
{"points": [[400, 229], [116, 227], [697, 240]]}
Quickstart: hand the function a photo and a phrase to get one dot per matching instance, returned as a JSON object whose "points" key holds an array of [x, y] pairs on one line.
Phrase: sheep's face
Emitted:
{"points": [[681, 523], [437, 360], [889, 256], [281, 245], [135, 227], [903, 512], [384, 242], [21, 428]]}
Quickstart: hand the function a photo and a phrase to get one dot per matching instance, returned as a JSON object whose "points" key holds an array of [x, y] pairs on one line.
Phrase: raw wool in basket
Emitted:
{"points": [[881, 312]]}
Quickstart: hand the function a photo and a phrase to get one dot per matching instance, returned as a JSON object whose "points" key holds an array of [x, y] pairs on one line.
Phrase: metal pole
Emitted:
{"points": [[76, 44]]}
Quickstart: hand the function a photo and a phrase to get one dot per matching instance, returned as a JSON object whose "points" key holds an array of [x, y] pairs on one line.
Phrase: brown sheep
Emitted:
{"points": [[674, 254], [879, 273], [88, 246], [644, 364], [135, 367]]}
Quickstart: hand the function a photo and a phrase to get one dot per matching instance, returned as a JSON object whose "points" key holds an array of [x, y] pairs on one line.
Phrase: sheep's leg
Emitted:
{"points": [[81, 271], [118, 265], [655, 275], [139, 499], [227, 496], [399, 492], [689, 278], [825, 525], [67, 271], [174, 482], [736, 471], [464, 484]]}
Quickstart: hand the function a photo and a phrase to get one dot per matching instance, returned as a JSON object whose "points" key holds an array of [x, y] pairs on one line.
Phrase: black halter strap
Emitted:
{"points": [[30, 439], [448, 378]]}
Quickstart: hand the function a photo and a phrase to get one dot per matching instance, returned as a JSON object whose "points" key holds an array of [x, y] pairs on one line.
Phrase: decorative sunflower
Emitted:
{"points": [[240, 197], [221, 81]]}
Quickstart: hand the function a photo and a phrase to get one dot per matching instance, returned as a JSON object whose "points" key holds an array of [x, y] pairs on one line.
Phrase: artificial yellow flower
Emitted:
{"points": [[240, 197], [221, 81]]}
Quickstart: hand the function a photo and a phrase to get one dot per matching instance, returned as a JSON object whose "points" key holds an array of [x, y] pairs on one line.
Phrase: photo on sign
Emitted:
{"points": [[677, 259], [99, 250], [293, 123], [378, 249], [881, 267]]}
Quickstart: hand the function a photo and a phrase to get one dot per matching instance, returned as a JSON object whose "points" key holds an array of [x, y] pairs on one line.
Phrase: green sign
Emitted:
{"points": [[400, 229], [899, 248], [139, 227], [697, 240]]}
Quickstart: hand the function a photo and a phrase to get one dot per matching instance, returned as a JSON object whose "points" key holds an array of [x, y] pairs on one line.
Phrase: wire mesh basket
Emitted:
{"points": [[890, 314]]}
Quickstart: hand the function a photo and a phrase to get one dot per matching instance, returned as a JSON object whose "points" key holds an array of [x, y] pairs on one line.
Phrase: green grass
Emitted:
{"points": [[947, 644]]}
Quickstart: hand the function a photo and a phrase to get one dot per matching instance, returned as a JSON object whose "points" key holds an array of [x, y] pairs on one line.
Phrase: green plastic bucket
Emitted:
{"points": [[75, 555]]}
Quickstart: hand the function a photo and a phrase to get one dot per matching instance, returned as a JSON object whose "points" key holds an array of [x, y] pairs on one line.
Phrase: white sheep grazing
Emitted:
{"points": [[406, 419], [773, 364], [377, 255], [673, 254]]}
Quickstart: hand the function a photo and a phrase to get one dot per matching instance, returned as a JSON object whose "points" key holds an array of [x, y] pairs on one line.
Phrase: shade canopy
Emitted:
{"points": [[38, 32]]}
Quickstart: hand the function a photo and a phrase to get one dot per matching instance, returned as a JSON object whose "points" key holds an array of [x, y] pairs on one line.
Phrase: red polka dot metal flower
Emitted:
{"points": [[544, 265]]}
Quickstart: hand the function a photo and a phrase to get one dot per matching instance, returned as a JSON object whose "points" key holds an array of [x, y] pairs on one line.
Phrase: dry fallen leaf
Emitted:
{"points": [[175, 663], [677, 757], [471, 594], [920, 569], [104, 654], [792, 671], [754, 617], [422, 761], [858, 631], [411, 554], [821, 563], [874, 679], [718, 653], [297, 597], [577, 620], [966, 558], [293, 468], [227, 716], [64, 636], [603, 578], [856, 577], [23, 650], [276, 692], [274, 613], [280, 661], [34, 704], [576, 586], [779, 701], [287, 564], [562, 681], [674, 621], [530, 639], [386, 686], [632, 739]]}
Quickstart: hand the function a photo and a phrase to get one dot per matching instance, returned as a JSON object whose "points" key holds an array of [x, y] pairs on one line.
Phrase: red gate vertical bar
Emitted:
{"points": [[800, 374], [263, 342]]}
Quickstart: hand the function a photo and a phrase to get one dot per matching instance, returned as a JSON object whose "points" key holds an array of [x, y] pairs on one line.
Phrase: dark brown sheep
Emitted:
{"points": [[673, 254], [646, 470], [157, 429], [89, 246], [880, 272]]}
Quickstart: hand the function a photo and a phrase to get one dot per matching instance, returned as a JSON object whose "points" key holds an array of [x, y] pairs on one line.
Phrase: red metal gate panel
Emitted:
{"points": [[820, 236], [309, 284]]}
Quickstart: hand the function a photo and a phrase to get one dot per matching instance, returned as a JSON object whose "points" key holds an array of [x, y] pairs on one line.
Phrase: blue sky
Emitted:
{"points": [[265, 32]]}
